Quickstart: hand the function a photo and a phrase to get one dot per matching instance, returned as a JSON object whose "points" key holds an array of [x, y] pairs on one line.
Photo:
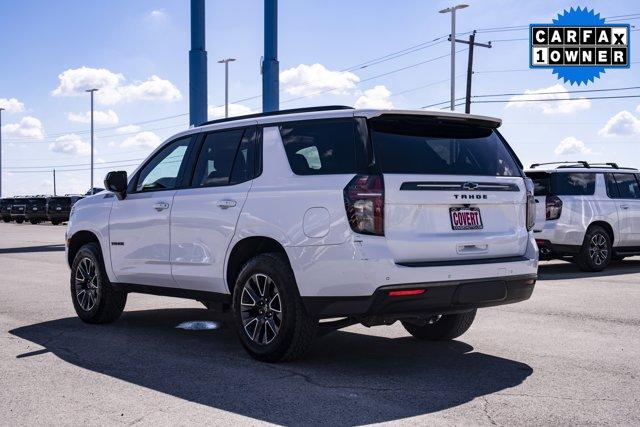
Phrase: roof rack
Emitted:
{"points": [[278, 113], [583, 164]]}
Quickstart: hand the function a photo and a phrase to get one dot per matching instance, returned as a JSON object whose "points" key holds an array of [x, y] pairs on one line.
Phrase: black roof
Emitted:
{"points": [[279, 112]]}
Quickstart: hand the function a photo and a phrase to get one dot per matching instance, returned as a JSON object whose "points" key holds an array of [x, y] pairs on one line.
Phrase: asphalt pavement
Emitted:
{"points": [[569, 355]]}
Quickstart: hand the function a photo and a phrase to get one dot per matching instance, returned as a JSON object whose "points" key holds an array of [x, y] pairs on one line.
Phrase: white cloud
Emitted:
{"points": [[128, 129], [107, 117], [377, 97], [234, 110], [622, 124], [111, 87], [559, 103], [11, 105], [28, 127], [311, 79], [158, 14], [570, 146], [70, 144], [142, 140]]}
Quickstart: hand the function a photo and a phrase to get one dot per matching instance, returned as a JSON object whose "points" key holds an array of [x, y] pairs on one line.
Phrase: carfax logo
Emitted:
{"points": [[578, 46]]}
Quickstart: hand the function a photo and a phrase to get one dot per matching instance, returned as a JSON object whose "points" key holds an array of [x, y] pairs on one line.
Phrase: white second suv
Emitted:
{"points": [[587, 213], [304, 221]]}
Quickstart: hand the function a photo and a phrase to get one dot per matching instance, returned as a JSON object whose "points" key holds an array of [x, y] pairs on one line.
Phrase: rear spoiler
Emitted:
{"points": [[443, 116]]}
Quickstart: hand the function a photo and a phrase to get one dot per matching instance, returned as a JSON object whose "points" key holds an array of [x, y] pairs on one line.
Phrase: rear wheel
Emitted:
{"points": [[441, 328], [270, 319], [19, 221], [34, 222], [6, 220], [54, 222], [94, 299], [595, 254]]}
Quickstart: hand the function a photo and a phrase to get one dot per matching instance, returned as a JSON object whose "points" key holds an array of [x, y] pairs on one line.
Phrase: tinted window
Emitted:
{"points": [[423, 146], [216, 158], [627, 186], [541, 184], [245, 161], [612, 187], [573, 184], [162, 172], [320, 147]]}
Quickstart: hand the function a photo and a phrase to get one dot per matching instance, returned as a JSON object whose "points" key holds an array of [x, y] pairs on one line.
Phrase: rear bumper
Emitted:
{"points": [[438, 298], [58, 216], [37, 216]]}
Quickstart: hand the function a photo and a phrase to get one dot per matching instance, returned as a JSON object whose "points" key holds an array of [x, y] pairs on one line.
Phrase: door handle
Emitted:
{"points": [[160, 206], [226, 204], [624, 206]]}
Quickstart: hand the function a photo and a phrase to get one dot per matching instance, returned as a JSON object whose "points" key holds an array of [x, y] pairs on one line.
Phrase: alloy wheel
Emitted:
{"points": [[86, 284], [598, 250], [261, 309]]}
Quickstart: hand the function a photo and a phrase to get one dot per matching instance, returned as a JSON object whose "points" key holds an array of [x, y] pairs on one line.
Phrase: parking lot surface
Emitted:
{"points": [[570, 355]]}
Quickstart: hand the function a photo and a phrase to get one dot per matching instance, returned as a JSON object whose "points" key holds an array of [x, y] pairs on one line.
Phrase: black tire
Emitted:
{"points": [[107, 304], [446, 328], [6, 220], [19, 221], [295, 328], [33, 221], [55, 222], [595, 253]]}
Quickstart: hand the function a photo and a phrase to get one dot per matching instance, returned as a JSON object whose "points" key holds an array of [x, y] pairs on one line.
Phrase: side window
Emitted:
{"points": [[612, 187], [627, 186], [320, 147], [225, 158], [574, 184], [163, 171]]}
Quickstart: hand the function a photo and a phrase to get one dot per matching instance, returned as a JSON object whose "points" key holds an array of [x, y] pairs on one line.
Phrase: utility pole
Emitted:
{"points": [[452, 37], [54, 182], [226, 84], [197, 66], [91, 91], [472, 42], [1, 110], [270, 64]]}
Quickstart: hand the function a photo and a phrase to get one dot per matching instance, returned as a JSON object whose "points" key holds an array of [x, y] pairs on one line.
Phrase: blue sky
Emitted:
{"points": [[137, 53]]}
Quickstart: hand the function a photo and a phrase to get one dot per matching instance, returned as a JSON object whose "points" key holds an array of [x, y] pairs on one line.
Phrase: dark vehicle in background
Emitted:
{"points": [[59, 208], [5, 209], [17, 209], [36, 209]]}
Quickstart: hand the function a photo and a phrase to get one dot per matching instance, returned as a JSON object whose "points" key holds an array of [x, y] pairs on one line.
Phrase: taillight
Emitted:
{"points": [[554, 207], [531, 204], [364, 202]]}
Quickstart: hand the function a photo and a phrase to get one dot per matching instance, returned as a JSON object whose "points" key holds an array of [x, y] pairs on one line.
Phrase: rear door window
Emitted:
{"points": [[320, 147], [541, 183], [627, 185], [573, 184], [417, 145]]}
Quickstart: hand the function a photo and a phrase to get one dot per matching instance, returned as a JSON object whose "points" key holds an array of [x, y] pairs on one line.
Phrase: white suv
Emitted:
{"points": [[587, 213], [290, 218]]}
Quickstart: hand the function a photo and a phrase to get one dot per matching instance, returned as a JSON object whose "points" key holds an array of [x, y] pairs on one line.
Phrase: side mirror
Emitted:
{"points": [[116, 181]]}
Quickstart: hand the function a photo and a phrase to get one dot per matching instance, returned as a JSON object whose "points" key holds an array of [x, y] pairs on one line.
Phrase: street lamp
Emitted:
{"points": [[226, 84], [452, 10], [91, 91]]}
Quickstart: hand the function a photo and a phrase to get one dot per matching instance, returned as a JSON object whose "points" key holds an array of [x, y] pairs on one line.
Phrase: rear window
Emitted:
{"points": [[320, 147], [424, 146], [541, 183]]}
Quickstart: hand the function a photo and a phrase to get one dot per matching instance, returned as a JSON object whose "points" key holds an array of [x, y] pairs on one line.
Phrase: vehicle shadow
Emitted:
{"points": [[28, 249], [348, 378], [558, 270]]}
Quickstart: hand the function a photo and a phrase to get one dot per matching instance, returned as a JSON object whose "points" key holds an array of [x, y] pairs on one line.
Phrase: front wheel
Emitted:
{"points": [[441, 328], [19, 221], [270, 319], [94, 299], [33, 221], [595, 254]]}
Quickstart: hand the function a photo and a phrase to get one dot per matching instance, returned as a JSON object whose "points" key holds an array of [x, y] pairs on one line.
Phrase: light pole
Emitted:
{"points": [[452, 10], [1, 109], [226, 84], [91, 91]]}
